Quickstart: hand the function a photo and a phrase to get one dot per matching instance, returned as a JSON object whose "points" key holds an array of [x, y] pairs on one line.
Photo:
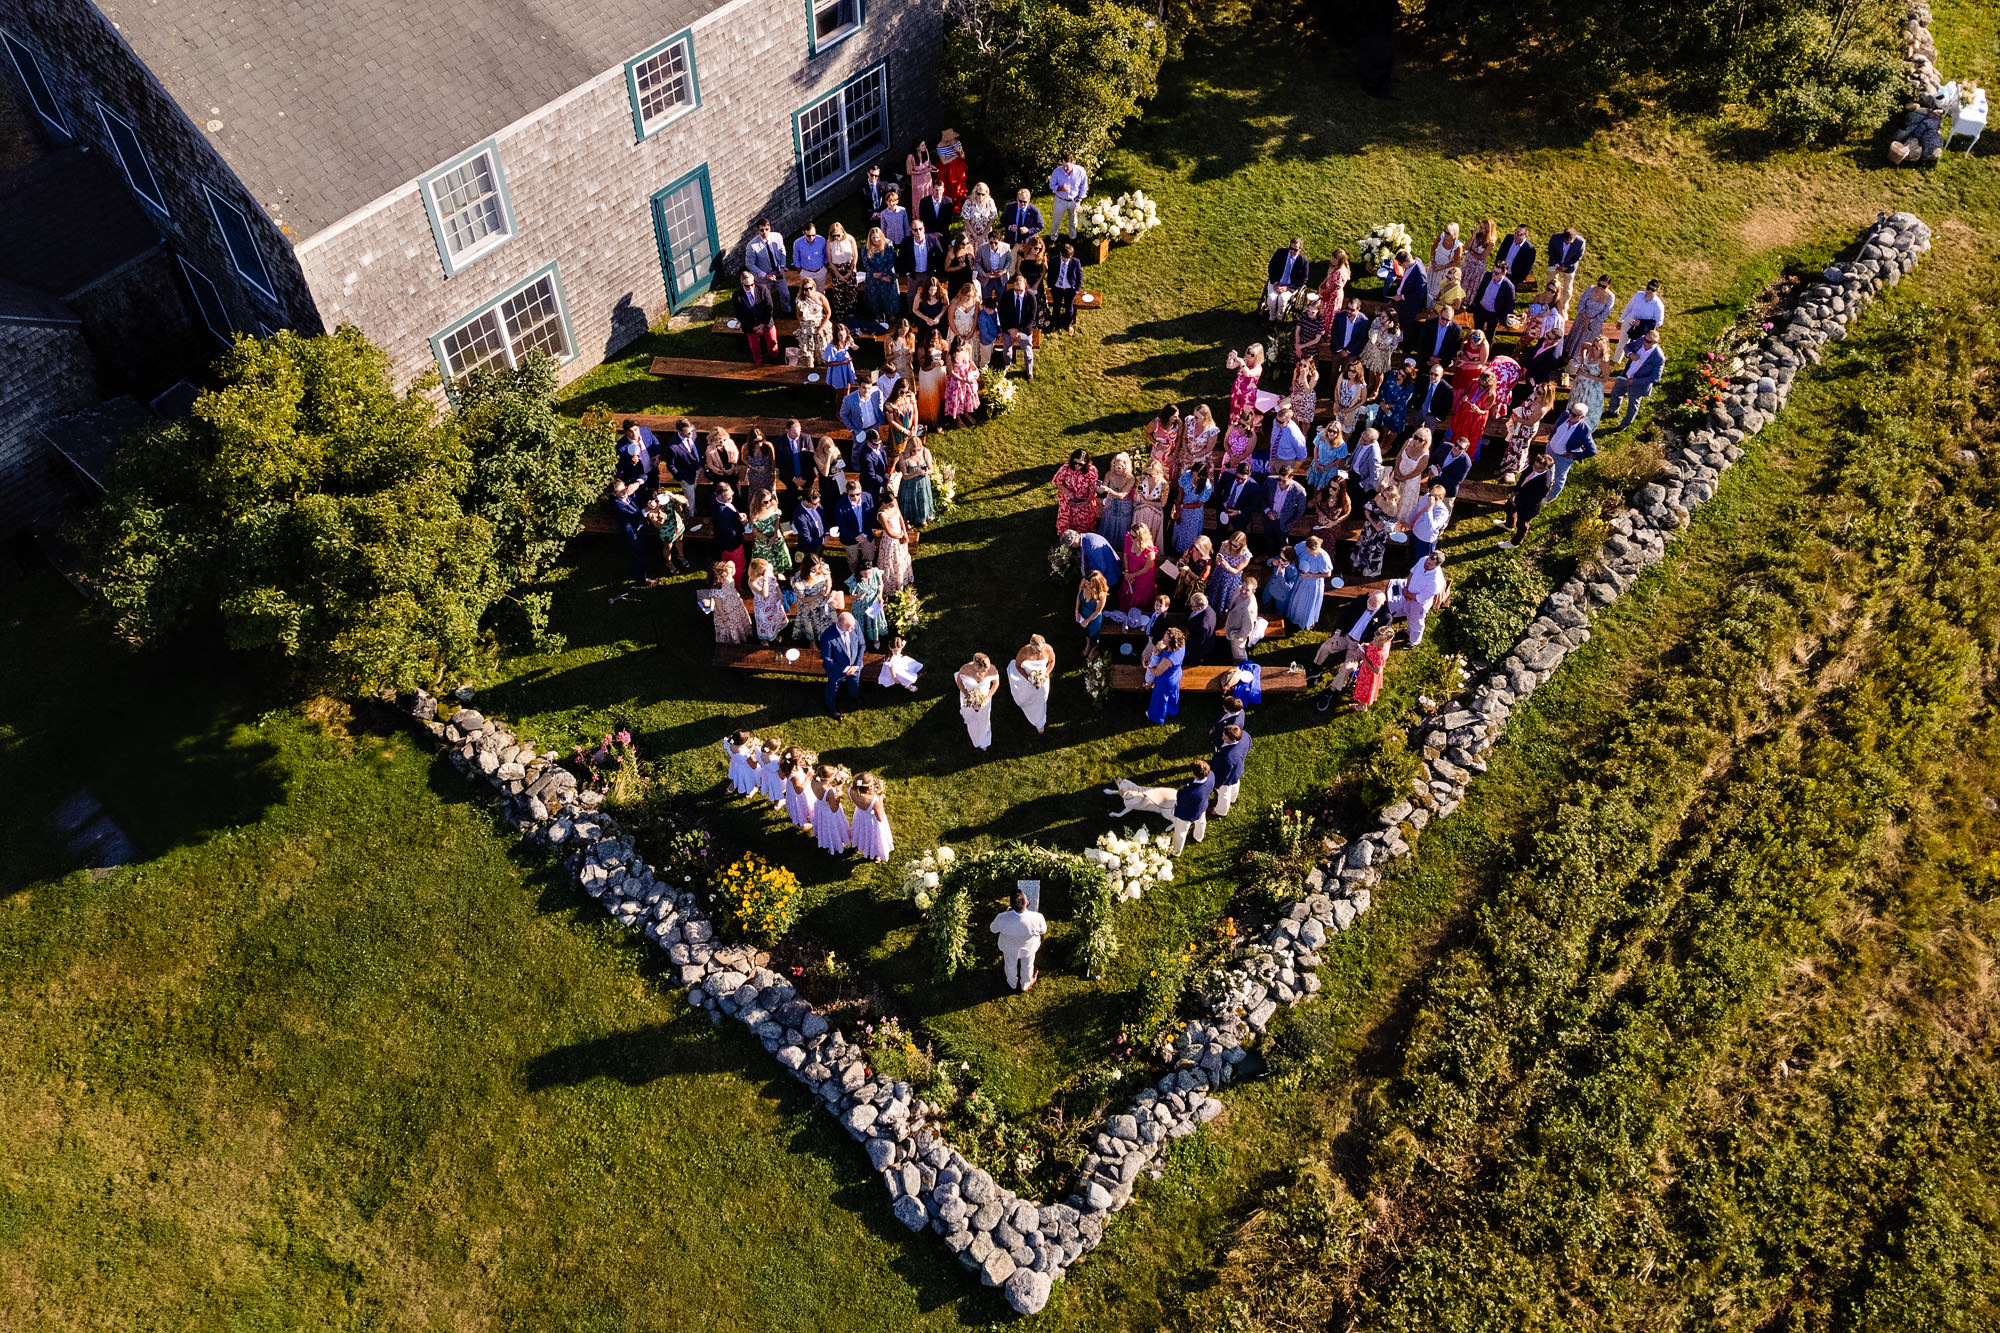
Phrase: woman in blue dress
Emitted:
{"points": [[865, 600], [1164, 674], [1396, 396], [1093, 597], [880, 300], [1280, 577], [1227, 573], [1195, 490], [839, 360], [1315, 567], [1329, 456]]}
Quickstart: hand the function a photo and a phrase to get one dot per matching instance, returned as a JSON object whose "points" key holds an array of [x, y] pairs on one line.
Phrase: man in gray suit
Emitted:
{"points": [[1642, 372]]}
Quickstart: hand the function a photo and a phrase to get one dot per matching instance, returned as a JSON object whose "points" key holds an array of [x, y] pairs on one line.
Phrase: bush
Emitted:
{"points": [[306, 510], [1856, 95], [1390, 772], [757, 900], [1496, 604]]}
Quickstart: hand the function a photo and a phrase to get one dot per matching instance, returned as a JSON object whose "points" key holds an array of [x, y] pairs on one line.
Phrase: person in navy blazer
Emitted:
{"points": [[1199, 626], [1493, 302], [794, 451], [842, 651], [872, 463], [1232, 750], [1348, 334], [1241, 500], [1452, 472], [809, 520], [938, 212], [727, 525], [1191, 806], [683, 459], [1285, 274], [852, 519], [920, 238], [1643, 366], [1517, 256], [1566, 250], [1438, 338], [1410, 295]]}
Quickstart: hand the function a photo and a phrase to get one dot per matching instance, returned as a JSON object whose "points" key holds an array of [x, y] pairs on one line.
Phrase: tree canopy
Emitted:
{"points": [[304, 508]]}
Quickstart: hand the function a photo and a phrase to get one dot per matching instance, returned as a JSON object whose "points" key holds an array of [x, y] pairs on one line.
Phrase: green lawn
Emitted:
{"points": [[334, 1055]]}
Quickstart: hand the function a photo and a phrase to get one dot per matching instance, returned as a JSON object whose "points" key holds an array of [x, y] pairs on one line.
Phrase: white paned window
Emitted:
{"points": [[663, 84], [468, 207], [833, 20], [242, 243], [529, 319], [838, 134], [125, 145], [207, 300], [29, 66]]}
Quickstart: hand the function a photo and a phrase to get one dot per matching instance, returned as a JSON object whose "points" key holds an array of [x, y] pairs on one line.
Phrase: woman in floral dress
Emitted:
{"points": [[725, 604], [1333, 288], [815, 323], [1149, 503], [1350, 395], [1588, 327], [767, 601], [1522, 423], [1198, 439], [1374, 665], [1473, 355], [1328, 515], [1372, 544], [1197, 562], [813, 612], [1227, 574], [1478, 254], [1194, 492], [961, 385], [879, 298], [1329, 456], [767, 540], [901, 353], [1385, 339], [1587, 377], [864, 599], [1249, 369], [1397, 394], [1240, 445], [892, 548], [978, 215], [1446, 252], [1118, 485], [760, 465], [843, 260], [1163, 440], [1305, 393], [1076, 495]]}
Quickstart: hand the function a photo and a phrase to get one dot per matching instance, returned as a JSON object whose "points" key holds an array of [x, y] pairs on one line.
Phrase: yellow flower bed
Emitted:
{"points": [[757, 899]]}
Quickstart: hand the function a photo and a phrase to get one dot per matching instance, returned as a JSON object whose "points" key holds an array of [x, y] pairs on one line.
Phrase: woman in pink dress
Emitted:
{"points": [[872, 835], [1249, 369], [919, 167], [961, 387], [1241, 441], [1163, 437], [1076, 495], [1374, 665], [1142, 554], [1333, 291], [1470, 365]]}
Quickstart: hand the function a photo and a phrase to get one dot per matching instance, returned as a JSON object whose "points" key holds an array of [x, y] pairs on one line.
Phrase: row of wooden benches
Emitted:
{"points": [[786, 660]]}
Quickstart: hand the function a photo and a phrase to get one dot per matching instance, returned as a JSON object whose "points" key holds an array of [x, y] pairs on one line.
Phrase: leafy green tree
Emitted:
{"points": [[307, 510], [1032, 79]]}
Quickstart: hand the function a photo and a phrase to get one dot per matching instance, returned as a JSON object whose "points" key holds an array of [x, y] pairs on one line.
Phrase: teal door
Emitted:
{"points": [[684, 222]]}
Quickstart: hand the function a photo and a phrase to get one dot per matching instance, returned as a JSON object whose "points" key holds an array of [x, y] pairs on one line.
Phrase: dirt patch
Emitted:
{"points": [[1768, 228]]}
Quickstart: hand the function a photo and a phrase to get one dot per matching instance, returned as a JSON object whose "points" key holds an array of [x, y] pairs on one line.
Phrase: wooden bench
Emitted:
{"points": [[1207, 679], [771, 659], [736, 426], [688, 368]]}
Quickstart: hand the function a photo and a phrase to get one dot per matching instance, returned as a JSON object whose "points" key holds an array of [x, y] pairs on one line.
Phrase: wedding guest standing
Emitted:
{"points": [[872, 835], [726, 526], [1569, 444], [1076, 494], [1069, 183], [1019, 311], [1328, 515], [1232, 751], [1285, 274], [1350, 396], [1093, 597], [1410, 293], [1149, 501], [767, 602], [1065, 280], [1195, 490], [1493, 301], [1530, 494], [1470, 414], [1478, 254], [1163, 675], [892, 550], [961, 386], [879, 298], [1163, 439], [913, 470], [1517, 256], [1446, 252], [843, 262], [920, 169], [1200, 437], [1589, 374], [951, 164], [1398, 392], [1591, 312], [1523, 423], [978, 214], [1310, 333], [1249, 368], [1373, 666], [683, 459], [809, 254], [812, 611], [1117, 488], [1141, 560], [936, 210], [1429, 522], [1020, 220], [1643, 314], [1029, 677], [1315, 567], [764, 258], [840, 360], [1020, 930], [854, 520], [1329, 456], [1333, 287], [1566, 249], [977, 683], [894, 220], [1191, 806], [1371, 544], [758, 318], [1347, 334], [725, 604], [1385, 340], [864, 598], [1244, 629], [809, 521], [1642, 373], [1285, 508]]}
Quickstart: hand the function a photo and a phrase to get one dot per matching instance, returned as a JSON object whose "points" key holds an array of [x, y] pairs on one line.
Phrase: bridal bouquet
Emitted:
{"points": [[1133, 863], [974, 697], [921, 876], [1383, 244]]}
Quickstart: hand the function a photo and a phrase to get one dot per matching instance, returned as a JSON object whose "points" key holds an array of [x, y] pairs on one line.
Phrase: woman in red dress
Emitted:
{"points": [[1470, 414], [1076, 495], [951, 166], [1374, 664], [1471, 364], [1249, 368]]}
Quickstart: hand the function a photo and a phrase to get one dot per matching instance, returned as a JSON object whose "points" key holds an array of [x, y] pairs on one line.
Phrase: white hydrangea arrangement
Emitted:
{"points": [[921, 876], [1133, 862], [1383, 244], [1128, 217]]}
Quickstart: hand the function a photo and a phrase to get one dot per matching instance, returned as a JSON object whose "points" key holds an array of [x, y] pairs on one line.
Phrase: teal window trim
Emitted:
{"points": [[456, 265], [639, 131], [28, 65], [813, 46], [507, 293], [693, 291], [807, 190]]}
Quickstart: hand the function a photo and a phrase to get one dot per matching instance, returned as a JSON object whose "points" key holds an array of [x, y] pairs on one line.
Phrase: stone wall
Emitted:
{"points": [[1014, 1243], [1919, 136], [581, 187]]}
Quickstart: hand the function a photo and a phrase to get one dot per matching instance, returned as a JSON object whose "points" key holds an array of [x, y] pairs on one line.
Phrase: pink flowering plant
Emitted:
{"points": [[611, 768]]}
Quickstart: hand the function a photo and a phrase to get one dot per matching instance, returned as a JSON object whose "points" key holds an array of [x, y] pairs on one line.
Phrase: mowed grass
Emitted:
{"points": [[335, 1055], [1243, 147]]}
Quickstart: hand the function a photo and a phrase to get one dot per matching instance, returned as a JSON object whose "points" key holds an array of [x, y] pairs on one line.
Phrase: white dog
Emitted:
{"points": [[1142, 800]]}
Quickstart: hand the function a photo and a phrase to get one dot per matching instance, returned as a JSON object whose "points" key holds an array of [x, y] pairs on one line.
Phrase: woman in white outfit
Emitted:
{"points": [[1028, 679], [1020, 931], [977, 683]]}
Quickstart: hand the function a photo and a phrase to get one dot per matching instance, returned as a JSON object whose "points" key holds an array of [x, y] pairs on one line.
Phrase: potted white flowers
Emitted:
{"points": [[1381, 246], [1133, 863], [922, 876], [1127, 218]]}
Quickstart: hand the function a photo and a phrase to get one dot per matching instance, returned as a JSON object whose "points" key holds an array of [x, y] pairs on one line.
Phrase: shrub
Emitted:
{"points": [[757, 900], [1390, 772], [1496, 604], [1855, 95]]}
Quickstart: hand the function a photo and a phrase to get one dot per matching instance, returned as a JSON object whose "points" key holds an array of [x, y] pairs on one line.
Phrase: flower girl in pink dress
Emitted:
{"points": [[771, 771], [830, 823], [872, 837], [799, 801]]}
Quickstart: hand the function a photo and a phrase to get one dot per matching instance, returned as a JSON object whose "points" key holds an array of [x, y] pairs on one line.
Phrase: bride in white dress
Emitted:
{"points": [[1028, 677], [977, 683]]}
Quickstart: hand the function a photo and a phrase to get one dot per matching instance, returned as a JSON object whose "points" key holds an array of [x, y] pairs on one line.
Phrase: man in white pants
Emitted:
{"points": [[1069, 183], [1020, 931], [1191, 807], [1232, 748]]}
